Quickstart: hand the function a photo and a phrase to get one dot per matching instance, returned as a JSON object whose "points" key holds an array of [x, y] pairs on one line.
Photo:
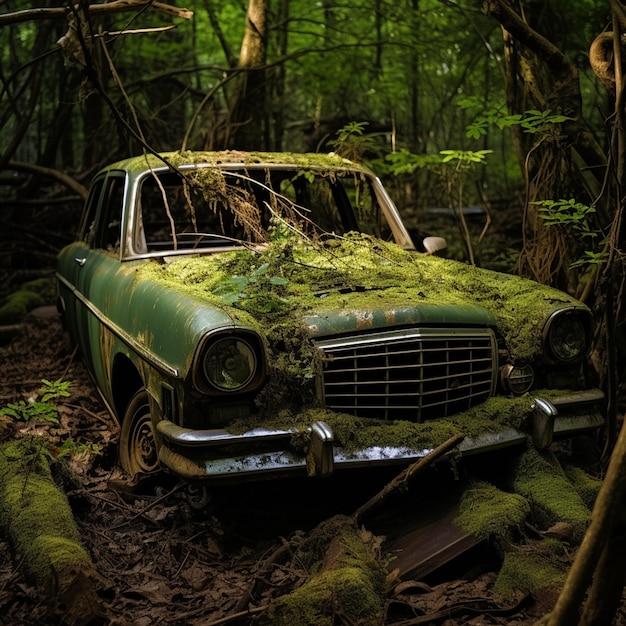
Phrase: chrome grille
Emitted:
{"points": [[413, 375]]}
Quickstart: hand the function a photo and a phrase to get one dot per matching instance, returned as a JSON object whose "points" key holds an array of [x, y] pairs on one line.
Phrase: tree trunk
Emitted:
{"points": [[248, 126], [540, 77]]}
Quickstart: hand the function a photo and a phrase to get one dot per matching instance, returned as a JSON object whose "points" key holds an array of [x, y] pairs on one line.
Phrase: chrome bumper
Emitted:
{"points": [[216, 454]]}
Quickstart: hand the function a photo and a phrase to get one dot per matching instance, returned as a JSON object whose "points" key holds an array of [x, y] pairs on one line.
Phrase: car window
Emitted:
{"points": [[109, 234], [225, 207], [88, 224]]}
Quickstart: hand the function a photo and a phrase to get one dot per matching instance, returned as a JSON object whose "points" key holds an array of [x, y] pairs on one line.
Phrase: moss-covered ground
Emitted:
{"points": [[347, 582], [29, 296]]}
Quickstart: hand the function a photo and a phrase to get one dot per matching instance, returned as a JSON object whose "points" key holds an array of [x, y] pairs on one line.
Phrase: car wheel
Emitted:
{"points": [[138, 452]]}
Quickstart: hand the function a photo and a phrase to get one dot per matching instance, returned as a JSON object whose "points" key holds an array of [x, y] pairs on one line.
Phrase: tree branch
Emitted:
{"points": [[117, 6], [523, 33], [68, 181]]}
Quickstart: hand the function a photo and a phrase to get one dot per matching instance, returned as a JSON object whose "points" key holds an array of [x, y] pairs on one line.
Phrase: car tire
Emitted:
{"points": [[137, 450]]}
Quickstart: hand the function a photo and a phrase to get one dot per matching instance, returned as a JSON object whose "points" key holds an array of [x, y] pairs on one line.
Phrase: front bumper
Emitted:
{"points": [[261, 453]]}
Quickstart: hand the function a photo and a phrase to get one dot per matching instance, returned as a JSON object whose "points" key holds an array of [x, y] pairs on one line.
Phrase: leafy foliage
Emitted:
{"points": [[43, 407], [577, 219], [40, 406], [531, 121]]}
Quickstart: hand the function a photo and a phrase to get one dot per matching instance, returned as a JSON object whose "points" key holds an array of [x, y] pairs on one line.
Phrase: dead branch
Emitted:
{"points": [[118, 6], [68, 181], [276, 556], [403, 478], [523, 33]]}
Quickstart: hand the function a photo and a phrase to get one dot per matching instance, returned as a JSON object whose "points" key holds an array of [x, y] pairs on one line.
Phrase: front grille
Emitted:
{"points": [[409, 374]]}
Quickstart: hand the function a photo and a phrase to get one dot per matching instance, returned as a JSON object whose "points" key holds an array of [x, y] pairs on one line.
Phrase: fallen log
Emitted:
{"points": [[36, 517], [348, 584]]}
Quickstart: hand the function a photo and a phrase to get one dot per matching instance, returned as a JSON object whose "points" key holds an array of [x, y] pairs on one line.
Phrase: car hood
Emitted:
{"points": [[361, 283]]}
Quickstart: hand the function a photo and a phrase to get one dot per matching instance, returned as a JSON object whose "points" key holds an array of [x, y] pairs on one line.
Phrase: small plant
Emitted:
{"points": [[69, 446], [576, 219], [42, 406], [352, 142], [464, 157], [39, 407], [568, 213], [252, 288], [532, 121]]}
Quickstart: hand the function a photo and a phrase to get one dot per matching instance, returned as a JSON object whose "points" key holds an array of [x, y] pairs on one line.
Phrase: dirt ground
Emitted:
{"points": [[166, 556]]}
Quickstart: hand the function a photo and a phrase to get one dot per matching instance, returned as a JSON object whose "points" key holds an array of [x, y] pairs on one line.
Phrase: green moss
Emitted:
{"points": [[37, 516], [344, 592], [29, 296], [354, 433], [587, 486], [302, 160], [539, 477], [488, 512], [349, 585], [524, 570], [358, 273]]}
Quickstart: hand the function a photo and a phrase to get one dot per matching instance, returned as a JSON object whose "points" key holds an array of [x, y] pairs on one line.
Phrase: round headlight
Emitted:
{"points": [[517, 379], [567, 337], [230, 363]]}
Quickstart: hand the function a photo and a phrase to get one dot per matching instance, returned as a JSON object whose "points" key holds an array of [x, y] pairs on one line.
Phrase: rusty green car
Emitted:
{"points": [[248, 315]]}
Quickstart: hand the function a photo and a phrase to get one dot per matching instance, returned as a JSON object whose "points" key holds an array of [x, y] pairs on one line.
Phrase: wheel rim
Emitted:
{"points": [[138, 452]]}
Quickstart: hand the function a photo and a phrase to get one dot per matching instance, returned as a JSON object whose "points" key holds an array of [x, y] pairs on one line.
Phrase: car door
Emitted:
{"points": [[71, 262], [96, 276], [99, 248]]}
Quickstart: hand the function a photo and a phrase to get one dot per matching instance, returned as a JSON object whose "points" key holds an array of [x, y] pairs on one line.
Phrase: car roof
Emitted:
{"points": [[234, 158]]}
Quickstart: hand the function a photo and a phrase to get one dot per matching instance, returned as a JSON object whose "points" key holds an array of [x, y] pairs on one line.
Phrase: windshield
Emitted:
{"points": [[212, 207]]}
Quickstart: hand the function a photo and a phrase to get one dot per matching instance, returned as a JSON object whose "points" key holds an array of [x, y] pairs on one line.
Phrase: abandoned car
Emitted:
{"points": [[248, 315]]}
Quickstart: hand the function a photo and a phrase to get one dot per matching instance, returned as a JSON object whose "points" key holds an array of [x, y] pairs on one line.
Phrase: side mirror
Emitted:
{"points": [[432, 245]]}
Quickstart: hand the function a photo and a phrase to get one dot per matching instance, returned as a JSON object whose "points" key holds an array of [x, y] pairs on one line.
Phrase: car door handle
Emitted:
{"points": [[80, 261]]}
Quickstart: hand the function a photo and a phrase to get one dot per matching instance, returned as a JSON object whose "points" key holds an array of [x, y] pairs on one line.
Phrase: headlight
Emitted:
{"points": [[566, 335], [230, 363], [517, 379]]}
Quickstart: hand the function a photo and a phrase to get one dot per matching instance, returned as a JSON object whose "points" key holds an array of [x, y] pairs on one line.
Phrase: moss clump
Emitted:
{"points": [[586, 485], [487, 512], [539, 477], [348, 583], [37, 516], [29, 296], [524, 570]]}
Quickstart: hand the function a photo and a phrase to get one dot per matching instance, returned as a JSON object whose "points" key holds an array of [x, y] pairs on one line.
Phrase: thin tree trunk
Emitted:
{"points": [[248, 123]]}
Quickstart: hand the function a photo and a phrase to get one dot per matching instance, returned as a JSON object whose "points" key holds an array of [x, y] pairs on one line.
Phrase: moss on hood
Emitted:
{"points": [[292, 277]]}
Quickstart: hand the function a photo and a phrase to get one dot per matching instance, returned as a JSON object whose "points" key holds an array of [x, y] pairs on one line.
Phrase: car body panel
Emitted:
{"points": [[159, 319]]}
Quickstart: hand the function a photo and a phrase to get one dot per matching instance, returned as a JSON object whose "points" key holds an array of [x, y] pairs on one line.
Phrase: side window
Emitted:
{"points": [[109, 233], [88, 223]]}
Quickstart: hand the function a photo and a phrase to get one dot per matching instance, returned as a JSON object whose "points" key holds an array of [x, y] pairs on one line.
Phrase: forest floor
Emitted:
{"points": [[162, 560]]}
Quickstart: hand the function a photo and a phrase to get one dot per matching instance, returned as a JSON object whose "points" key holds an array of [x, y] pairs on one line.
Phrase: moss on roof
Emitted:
{"points": [[179, 159]]}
